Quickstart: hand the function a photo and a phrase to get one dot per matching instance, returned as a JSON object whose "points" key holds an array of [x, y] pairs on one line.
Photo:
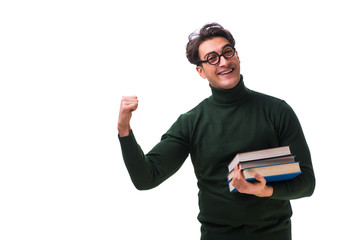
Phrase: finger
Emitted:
{"points": [[129, 103], [236, 168], [129, 97], [239, 181], [240, 171], [237, 172], [127, 100], [240, 184]]}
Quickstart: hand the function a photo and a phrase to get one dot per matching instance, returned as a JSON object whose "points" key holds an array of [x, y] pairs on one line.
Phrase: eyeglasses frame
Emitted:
{"points": [[219, 55]]}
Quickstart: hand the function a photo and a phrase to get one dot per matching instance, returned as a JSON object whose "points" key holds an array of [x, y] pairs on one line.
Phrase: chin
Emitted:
{"points": [[229, 84]]}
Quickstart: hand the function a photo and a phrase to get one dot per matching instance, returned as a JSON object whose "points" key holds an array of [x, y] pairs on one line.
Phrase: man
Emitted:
{"points": [[233, 119]]}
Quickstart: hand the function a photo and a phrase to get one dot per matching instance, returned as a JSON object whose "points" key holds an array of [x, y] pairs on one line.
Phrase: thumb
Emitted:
{"points": [[260, 178]]}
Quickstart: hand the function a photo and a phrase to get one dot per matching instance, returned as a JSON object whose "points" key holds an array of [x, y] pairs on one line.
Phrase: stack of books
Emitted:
{"points": [[274, 164]]}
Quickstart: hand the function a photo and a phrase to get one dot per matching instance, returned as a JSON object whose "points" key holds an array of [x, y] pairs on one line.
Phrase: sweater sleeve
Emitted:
{"points": [[149, 170], [290, 133]]}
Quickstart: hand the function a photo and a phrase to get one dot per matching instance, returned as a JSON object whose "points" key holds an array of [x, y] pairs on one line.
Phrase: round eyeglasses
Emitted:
{"points": [[213, 58]]}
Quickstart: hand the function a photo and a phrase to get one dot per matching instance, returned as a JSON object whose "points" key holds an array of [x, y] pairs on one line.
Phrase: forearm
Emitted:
{"points": [[139, 169], [299, 187], [304, 184], [148, 171]]}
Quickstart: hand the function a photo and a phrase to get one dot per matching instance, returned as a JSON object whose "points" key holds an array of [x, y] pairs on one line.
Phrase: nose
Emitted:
{"points": [[223, 61]]}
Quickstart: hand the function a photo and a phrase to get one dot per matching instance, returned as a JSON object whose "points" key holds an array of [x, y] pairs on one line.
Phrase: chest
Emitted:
{"points": [[219, 134]]}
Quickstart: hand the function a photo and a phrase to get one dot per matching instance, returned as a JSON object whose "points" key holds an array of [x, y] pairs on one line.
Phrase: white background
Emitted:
{"points": [[64, 66]]}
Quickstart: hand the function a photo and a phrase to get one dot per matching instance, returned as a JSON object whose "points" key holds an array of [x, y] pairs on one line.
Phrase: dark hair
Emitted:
{"points": [[207, 32]]}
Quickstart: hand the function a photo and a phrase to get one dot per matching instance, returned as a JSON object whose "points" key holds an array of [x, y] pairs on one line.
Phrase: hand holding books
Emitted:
{"points": [[257, 188], [268, 165]]}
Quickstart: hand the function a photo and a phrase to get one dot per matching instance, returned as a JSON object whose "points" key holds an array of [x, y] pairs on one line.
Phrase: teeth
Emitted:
{"points": [[223, 73]]}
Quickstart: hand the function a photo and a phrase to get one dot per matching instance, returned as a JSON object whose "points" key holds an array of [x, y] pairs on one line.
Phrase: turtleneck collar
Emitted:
{"points": [[229, 96]]}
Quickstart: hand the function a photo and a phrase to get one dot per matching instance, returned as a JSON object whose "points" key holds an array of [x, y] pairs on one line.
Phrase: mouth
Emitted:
{"points": [[226, 72]]}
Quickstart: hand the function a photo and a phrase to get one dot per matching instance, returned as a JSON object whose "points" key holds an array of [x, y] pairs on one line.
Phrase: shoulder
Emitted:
{"points": [[196, 111], [185, 124], [273, 104], [189, 118], [262, 97]]}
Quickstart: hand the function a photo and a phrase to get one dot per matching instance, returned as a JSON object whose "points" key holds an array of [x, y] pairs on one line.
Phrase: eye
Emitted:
{"points": [[212, 58], [228, 52]]}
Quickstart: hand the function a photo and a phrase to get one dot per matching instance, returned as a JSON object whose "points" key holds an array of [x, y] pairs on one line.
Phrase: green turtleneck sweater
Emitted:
{"points": [[226, 123]]}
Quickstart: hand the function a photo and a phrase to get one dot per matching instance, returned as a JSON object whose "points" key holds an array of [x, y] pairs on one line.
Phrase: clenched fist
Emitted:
{"points": [[128, 105]]}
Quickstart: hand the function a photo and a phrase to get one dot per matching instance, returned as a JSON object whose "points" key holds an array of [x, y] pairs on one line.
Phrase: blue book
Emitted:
{"points": [[277, 178]]}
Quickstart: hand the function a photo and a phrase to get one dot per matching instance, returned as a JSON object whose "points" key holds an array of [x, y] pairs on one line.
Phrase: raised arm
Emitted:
{"points": [[149, 170]]}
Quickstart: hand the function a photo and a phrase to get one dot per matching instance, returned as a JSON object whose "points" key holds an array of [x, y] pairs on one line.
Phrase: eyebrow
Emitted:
{"points": [[222, 49]]}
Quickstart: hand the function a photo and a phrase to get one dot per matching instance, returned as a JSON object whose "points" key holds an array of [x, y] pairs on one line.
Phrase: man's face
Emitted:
{"points": [[226, 73]]}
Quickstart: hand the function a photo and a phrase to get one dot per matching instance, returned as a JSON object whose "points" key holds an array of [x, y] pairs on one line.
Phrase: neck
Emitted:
{"points": [[229, 96]]}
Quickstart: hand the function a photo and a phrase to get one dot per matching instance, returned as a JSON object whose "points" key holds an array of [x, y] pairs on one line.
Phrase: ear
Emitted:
{"points": [[237, 55], [201, 71]]}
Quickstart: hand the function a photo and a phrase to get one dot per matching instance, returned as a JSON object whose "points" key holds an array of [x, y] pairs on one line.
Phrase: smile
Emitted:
{"points": [[226, 72]]}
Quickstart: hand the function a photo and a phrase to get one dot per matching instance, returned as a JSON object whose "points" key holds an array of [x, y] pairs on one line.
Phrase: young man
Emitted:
{"points": [[233, 119]]}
